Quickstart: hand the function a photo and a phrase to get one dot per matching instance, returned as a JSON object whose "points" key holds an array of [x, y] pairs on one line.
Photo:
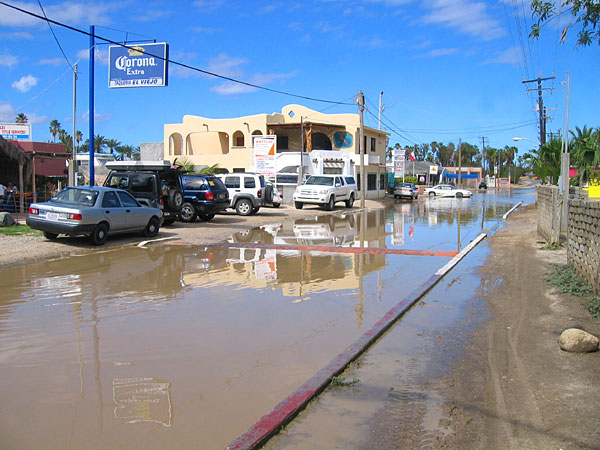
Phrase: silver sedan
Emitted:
{"points": [[95, 211]]}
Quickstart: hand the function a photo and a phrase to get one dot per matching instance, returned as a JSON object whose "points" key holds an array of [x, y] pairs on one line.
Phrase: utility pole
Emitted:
{"points": [[381, 108], [541, 109], [91, 104], [301, 167], [483, 159], [459, 163], [74, 140], [361, 147]]}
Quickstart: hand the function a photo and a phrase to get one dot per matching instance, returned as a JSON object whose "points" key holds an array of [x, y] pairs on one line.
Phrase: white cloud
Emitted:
{"points": [[51, 62], [100, 56], [8, 60], [7, 112], [442, 52], [205, 30], [207, 5], [25, 83], [68, 11], [509, 56], [151, 15], [465, 16], [16, 35], [98, 117], [231, 88], [226, 66]]}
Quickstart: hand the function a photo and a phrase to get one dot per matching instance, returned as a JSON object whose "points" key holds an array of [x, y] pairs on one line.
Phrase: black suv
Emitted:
{"points": [[154, 184], [203, 197]]}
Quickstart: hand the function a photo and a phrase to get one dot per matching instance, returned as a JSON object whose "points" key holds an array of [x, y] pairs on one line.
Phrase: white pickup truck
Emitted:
{"points": [[326, 190]]}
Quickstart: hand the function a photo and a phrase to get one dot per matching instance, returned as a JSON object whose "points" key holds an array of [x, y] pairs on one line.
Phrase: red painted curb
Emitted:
{"points": [[285, 411], [322, 248]]}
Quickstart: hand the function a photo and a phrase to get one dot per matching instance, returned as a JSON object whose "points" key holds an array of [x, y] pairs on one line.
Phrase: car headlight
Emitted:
{"points": [[324, 191]]}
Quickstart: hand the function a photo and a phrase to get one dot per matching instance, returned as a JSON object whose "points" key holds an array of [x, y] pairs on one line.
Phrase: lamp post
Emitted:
{"points": [[516, 139]]}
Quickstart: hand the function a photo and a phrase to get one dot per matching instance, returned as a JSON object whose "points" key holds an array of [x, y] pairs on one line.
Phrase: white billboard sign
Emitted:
{"points": [[264, 154], [16, 131], [399, 159]]}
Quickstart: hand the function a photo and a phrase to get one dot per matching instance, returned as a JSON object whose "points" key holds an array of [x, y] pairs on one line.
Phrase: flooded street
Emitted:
{"points": [[177, 346]]}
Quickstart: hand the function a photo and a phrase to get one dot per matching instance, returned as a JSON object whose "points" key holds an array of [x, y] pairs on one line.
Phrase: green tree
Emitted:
{"points": [[21, 118], [585, 152], [127, 152], [54, 128], [112, 144], [546, 161], [584, 13]]}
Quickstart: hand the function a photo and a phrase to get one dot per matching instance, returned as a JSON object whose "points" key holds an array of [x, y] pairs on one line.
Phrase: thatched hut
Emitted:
{"points": [[15, 165]]}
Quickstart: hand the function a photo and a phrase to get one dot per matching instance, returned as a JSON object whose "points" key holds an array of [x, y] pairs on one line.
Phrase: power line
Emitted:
{"points": [[187, 66], [55, 38]]}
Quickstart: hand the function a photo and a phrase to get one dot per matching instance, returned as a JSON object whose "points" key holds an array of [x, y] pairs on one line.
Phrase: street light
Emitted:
{"points": [[517, 139]]}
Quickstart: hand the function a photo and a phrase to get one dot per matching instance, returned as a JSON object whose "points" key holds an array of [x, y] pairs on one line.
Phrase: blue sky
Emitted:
{"points": [[449, 69]]}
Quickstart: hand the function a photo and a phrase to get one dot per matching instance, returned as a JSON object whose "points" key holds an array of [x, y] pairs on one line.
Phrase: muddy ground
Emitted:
{"points": [[513, 387]]}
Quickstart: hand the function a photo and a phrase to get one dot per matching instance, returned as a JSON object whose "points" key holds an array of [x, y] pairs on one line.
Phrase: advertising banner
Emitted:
{"points": [[264, 154], [16, 131], [399, 159], [136, 67]]}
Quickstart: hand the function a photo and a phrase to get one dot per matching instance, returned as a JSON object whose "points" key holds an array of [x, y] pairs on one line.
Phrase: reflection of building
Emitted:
{"points": [[228, 142]]}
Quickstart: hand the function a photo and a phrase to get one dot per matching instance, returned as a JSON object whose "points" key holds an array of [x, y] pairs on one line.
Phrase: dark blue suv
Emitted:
{"points": [[203, 197]]}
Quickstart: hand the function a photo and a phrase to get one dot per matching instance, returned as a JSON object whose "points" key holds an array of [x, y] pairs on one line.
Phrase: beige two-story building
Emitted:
{"points": [[334, 139]]}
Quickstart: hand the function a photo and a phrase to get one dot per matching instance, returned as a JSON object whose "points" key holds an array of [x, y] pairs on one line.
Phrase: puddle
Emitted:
{"points": [[176, 346]]}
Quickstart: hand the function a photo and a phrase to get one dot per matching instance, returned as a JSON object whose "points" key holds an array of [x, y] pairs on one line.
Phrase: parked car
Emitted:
{"points": [[447, 190], [406, 190], [326, 190], [247, 191], [203, 197], [277, 196], [483, 185], [95, 211], [154, 184]]}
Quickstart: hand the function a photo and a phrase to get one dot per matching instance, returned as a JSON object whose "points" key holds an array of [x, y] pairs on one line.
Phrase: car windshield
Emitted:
{"points": [[76, 196], [321, 181]]}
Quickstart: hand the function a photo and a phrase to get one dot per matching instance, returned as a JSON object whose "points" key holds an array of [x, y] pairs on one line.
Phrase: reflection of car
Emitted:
{"points": [[153, 184], [447, 190], [247, 192], [406, 190], [203, 197], [326, 190], [95, 211], [277, 196], [483, 185]]}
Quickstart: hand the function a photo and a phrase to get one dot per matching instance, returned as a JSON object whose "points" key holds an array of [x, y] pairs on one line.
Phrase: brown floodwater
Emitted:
{"points": [[187, 346]]}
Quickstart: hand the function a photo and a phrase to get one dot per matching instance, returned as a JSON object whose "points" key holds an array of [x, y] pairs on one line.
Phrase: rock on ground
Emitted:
{"points": [[578, 341]]}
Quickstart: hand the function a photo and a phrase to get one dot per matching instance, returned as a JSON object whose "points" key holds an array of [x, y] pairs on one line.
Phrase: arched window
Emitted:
{"points": [[257, 133], [175, 144], [238, 139], [320, 141]]}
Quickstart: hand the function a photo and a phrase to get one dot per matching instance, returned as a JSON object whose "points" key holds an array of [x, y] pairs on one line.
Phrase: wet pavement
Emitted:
{"points": [[187, 346]]}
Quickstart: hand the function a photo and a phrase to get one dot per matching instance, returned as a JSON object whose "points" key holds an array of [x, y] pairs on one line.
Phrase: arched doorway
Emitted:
{"points": [[320, 141], [175, 144]]}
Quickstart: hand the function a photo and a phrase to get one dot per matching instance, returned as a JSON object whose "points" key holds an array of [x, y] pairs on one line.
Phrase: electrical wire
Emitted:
{"points": [[187, 66], [55, 38]]}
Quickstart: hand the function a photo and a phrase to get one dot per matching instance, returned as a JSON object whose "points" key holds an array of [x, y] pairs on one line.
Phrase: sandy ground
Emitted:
{"points": [[514, 387], [16, 250]]}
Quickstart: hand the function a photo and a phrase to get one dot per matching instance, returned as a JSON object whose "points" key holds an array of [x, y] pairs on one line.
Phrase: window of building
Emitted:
{"points": [[238, 139], [382, 184], [371, 181], [282, 143], [373, 141]]}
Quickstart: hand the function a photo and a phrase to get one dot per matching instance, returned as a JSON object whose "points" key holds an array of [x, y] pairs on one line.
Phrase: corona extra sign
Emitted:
{"points": [[138, 66]]}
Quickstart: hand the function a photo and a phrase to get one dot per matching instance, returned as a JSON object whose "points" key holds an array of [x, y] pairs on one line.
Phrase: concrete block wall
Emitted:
{"points": [[583, 243], [548, 212]]}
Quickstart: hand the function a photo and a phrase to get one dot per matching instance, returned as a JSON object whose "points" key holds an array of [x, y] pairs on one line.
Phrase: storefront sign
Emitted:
{"points": [[399, 159], [16, 131], [264, 154], [138, 66]]}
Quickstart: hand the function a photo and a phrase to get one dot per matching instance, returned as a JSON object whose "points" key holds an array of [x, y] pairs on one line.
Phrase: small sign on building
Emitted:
{"points": [[16, 131], [138, 66]]}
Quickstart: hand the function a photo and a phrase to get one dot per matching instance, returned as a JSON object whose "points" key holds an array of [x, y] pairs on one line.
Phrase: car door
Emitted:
{"points": [[113, 211], [136, 217], [340, 189]]}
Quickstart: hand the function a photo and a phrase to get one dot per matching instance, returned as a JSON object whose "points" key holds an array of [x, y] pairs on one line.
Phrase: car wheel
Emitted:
{"points": [[459, 195], [255, 210], [276, 205], [331, 203], [432, 194], [206, 217], [168, 221], [100, 234], [243, 207], [298, 205], [50, 236], [175, 199], [187, 213], [350, 201], [152, 228]]}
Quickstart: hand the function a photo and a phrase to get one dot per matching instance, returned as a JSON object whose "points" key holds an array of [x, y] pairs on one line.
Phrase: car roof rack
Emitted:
{"points": [[138, 165]]}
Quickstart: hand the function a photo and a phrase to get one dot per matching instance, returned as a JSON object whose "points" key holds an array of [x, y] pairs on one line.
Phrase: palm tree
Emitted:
{"points": [[585, 154], [78, 139], [54, 127], [127, 152], [21, 118], [547, 161], [112, 144], [99, 143]]}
